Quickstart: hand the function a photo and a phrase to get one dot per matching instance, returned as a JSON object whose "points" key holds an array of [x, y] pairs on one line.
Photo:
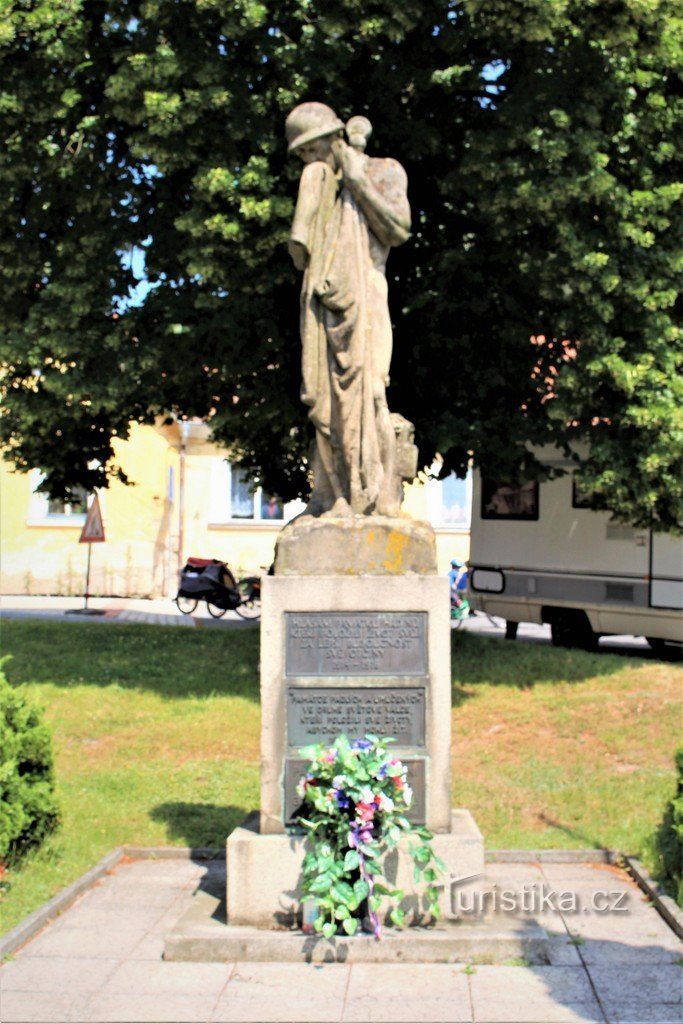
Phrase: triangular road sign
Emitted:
{"points": [[93, 529]]}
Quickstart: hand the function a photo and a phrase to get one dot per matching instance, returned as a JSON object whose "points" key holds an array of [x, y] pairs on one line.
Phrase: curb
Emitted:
{"points": [[551, 856], [669, 910]]}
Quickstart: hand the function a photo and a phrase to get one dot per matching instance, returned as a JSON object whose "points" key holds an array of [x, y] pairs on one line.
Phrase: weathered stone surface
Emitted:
{"points": [[264, 872], [351, 210], [402, 601], [363, 546]]}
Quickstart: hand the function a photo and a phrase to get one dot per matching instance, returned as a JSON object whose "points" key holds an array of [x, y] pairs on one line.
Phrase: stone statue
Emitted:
{"points": [[351, 209]]}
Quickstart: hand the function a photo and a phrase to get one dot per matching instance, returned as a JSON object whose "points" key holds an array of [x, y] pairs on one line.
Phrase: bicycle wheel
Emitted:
{"points": [[215, 610], [186, 605], [250, 593]]}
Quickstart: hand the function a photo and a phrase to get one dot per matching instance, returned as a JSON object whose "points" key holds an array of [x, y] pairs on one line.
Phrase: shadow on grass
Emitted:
{"points": [[170, 662], [480, 660], [199, 825]]}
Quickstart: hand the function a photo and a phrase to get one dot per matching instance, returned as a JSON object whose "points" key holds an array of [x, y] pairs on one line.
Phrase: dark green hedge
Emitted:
{"points": [[667, 843], [28, 807]]}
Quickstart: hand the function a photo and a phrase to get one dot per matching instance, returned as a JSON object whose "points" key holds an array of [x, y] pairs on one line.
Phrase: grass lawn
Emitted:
{"points": [[156, 734]]}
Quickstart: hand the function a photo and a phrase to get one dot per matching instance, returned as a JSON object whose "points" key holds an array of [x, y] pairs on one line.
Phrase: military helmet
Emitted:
{"points": [[310, 121]]}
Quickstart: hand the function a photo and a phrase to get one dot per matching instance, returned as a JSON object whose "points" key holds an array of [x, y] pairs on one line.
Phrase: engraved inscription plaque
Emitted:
{"points": [[317, 714], [295, 768], [355, 643]]}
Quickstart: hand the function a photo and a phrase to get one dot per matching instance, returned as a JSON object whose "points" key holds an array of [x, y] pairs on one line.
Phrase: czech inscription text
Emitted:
{"points": [[356, 643], [317, 715]]}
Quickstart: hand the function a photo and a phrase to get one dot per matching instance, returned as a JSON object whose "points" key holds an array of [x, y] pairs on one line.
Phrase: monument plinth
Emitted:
{"points": [[351, 653]]}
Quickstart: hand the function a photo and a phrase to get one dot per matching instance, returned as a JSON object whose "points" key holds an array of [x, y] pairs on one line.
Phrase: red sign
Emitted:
{"points": [[93, 529]]}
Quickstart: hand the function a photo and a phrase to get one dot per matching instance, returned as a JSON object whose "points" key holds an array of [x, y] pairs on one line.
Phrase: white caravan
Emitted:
{"points": [[539, 553]]}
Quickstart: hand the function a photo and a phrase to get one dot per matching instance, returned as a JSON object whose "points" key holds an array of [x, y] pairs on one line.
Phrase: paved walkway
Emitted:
{"points": [[101, 961], [163, 612]]}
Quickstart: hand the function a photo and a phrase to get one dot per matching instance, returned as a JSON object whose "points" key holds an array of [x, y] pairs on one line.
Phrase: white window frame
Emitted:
{"points": [[221, 502], [39, 507], [435, 501]]}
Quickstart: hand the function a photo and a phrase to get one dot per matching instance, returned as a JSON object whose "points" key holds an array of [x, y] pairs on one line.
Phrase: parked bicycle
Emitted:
{"points": [[210, 580]]}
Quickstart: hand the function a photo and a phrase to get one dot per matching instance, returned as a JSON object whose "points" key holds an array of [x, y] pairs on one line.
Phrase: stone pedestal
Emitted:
{"points": [[355, 654], [264, 872], [363, 546]]}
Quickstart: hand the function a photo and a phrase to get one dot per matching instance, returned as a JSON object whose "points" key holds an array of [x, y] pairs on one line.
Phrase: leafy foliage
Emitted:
{"points": [[355, 800], [28, 808], [539, 141], [666, 846]]}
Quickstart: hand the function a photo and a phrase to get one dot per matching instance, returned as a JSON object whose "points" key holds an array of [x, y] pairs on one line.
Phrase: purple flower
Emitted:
{"points": [[342, 800], [361, 745]]}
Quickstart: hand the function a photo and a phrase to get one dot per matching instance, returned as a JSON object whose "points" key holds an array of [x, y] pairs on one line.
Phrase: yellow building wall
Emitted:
{"points": [[142, 521], [44, 556]]}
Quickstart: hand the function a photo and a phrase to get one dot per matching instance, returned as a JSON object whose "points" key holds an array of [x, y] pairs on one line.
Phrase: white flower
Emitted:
{"points": [[385, 802], [407, 795], [366, 795], [339, 781]]}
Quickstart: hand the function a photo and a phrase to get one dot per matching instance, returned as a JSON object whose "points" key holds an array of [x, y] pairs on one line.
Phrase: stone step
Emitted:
{"points": [[203, 935]]}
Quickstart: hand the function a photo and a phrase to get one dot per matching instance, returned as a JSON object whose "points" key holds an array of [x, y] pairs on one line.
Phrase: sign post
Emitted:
{"points": [[92, 533]]}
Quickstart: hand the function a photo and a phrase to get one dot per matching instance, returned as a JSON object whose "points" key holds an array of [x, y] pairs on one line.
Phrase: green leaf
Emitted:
{"points": [[351, 860], [397, 917], [342, 892], [329, 929], [361, 890], [350, 925]]}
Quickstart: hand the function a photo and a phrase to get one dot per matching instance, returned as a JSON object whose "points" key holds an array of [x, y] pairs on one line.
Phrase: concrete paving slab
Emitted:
{"points": [[561, 951], [407, 992], [283, 993], [90, 943], [533, 994], [638, 986], [43, 1008], [143, 1009], [165, 979], [653, 1013], [56, 974], [638, 950]]}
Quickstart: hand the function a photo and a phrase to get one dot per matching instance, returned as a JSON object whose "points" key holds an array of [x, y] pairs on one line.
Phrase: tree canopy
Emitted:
{"points": [[535, 302]]}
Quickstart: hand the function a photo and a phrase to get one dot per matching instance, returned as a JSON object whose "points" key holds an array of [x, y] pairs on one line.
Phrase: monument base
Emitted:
{"points": [[362, 546], [264, 872], [202, 936]]}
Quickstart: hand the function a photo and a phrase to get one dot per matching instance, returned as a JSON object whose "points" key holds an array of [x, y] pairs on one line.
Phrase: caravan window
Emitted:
{"points": [[505, 501]]}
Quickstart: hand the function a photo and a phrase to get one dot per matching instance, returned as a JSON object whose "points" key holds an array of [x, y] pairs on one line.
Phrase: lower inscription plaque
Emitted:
{"points": [[295, 767], [356, 643], [318, 714]]}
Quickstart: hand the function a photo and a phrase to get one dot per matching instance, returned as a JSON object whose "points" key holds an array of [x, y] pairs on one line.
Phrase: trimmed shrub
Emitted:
{"points": [[667, 843], [28, 807]]}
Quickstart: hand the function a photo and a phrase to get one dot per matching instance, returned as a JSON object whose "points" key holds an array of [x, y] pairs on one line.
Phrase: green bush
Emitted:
{"points": [[667, 842], [28, 807]]}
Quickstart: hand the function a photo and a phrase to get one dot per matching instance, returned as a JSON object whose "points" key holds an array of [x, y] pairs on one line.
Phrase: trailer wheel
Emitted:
{"points": [[572, 629], [665, 650]]}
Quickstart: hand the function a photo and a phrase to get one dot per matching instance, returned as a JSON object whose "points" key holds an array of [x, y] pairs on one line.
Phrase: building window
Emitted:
{"points": [[76, 506], [235, 498], [45, 510], [242, 494], [450, 500], [505, 501]]}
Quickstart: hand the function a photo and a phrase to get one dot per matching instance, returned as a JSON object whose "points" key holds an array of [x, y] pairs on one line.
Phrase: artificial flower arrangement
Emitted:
{"points": [[355, 797]]}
